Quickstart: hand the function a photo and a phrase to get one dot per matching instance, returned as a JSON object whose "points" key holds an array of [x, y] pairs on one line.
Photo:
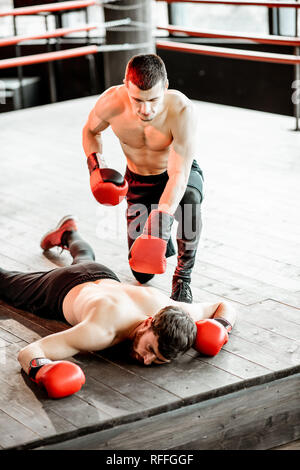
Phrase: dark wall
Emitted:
{"points": [[30, 3], [248, 84]]}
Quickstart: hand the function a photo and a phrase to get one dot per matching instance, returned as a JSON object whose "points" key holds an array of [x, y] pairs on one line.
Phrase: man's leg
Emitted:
{"points": [[66, 236], [189, 229], [80, 250], [28, 291], [43, 293], [188, 236]]}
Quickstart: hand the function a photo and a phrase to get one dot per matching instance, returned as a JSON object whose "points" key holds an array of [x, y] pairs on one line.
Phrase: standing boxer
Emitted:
{"points": [[156, 128]]}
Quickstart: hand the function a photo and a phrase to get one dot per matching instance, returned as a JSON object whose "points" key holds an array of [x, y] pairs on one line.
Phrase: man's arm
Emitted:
{"points": [[88, 335], [98, 121], [184, 128], [204, 310], [108, 186]]}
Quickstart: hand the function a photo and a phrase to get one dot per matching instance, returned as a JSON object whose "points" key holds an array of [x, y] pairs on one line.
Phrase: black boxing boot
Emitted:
{"points": [[188, 236], [181, 291]]}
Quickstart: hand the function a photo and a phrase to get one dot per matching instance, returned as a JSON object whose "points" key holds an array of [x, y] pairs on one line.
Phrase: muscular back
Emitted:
{"points": [[133, 303]]}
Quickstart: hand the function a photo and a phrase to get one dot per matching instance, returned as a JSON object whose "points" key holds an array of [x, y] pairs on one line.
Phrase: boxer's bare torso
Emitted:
{"points": [[133, 302], [145, 123], [146, 144]]}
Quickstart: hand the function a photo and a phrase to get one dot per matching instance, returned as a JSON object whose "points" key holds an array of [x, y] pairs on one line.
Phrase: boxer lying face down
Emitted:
{"points": [[103, 312]]}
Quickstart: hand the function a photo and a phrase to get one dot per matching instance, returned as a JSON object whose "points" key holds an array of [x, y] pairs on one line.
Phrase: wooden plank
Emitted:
{"points": [[21, 404], [275, 318], [183, 377], [266, 417], [208, 271], [7, 337], [23, 401], [43, 326], [129, 384], [19, 330], [284, 348], [295, 445], [15, 432]]}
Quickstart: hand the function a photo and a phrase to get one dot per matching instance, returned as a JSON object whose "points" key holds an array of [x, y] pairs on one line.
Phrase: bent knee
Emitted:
{"points": [[191, 196]]}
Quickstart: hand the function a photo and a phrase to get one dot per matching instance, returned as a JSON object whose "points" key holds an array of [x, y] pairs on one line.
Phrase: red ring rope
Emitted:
{"points": [[229, 53], [50, 34], [239, 3], [51, 7], [266, 39], [47, 57]]}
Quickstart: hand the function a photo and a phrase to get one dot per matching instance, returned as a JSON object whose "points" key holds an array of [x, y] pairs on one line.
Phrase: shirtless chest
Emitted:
{"points": [[155, 135], [146, 147], [133, 303]]}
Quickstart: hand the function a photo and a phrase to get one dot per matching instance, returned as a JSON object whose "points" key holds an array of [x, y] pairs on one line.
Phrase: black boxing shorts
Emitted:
{"points": [[147, 189], [42, 293]]}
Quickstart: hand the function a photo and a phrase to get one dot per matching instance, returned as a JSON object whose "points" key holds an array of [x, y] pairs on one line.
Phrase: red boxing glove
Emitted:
{"points": [[60, 379], [212, 334], [108, 186], [148, 252]]}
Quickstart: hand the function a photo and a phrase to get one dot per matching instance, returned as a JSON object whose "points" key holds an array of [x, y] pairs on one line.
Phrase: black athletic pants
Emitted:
{"points": [[143, 196], [43, 293]]}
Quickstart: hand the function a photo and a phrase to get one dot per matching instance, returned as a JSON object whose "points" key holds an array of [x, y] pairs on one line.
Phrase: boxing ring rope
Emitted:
{"points": [[270, 4], [50, 56], [60, 32], [264, 39], [65, 54], [229, 53], [238, 53], [50, 8]]}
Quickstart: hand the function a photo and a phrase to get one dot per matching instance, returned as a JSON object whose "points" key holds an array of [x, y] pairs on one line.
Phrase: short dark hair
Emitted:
{"points": [[176, 331], [145, 71]]}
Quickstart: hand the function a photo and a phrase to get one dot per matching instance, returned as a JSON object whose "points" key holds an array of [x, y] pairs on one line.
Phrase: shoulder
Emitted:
{"points": [[182, 116], [110, 102], [178, 102], [179, 105]]}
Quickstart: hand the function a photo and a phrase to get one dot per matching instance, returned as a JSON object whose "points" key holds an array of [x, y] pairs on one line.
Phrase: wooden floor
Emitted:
{"points": [[247, 397]]}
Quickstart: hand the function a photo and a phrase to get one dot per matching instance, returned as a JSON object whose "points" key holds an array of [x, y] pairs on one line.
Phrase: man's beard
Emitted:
{"points": [[135, 344]]}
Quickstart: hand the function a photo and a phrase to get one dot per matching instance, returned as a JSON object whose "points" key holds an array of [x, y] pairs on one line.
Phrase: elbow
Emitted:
{"points": [[22, 358], [85, 131]]}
